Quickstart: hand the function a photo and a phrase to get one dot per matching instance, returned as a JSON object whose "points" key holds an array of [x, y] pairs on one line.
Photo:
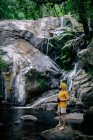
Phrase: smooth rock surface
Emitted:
{"points": [[29, 118]]}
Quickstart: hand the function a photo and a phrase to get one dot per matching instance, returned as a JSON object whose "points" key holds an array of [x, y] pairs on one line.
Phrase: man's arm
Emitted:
{"points": [[67, 98]]}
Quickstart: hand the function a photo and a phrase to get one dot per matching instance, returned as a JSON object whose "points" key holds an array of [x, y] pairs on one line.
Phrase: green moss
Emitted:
{"points": [[42, 84], [63, 47], [89, 70], [3, 64]]}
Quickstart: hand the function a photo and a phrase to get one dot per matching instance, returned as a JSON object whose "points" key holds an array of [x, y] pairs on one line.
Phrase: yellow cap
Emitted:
{"points": [[63, 86]]}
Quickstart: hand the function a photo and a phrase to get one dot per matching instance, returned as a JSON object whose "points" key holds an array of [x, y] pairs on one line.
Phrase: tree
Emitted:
{"points": [[82, 9]]}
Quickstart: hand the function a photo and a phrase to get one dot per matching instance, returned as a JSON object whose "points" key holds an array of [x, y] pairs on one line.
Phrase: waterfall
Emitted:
{"points": [[18, 93], [18, 83], [21, 89], [5, 98], [62, 22], [59, 30], [69, 77]]}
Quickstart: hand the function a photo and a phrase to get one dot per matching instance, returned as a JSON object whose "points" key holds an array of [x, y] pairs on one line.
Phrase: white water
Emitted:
{"points": [[59, 30], [20, 85], [71, 75], [62, 22]]}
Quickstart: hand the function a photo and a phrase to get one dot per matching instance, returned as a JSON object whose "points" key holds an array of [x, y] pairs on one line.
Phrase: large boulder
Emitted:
{"points": [[29, 69], [55, 134]]}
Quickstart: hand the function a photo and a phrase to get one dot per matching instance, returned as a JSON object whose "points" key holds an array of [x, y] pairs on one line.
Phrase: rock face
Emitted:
{"points": [[17, 45], [48, 101], [84, 86], [24, 46]]}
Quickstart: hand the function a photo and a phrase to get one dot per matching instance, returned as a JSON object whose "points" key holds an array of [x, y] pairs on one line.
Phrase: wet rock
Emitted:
{"points": [[55, 134], [83, 84], [47, 101], [17, 122], [28, 118], [2, 125], [38, 83], [74, 118]]}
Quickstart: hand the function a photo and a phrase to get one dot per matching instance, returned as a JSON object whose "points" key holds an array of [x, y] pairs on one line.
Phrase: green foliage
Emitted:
{"points": [[64, 46], [30, 9], [3, 64], [42, 84], [27, 9], [82, 9], [89, 70]]}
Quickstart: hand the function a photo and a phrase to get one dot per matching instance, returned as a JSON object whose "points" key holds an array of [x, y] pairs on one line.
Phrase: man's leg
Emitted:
{"points": [[59, 117], [64, 120], [63, 116], [60, 120]]}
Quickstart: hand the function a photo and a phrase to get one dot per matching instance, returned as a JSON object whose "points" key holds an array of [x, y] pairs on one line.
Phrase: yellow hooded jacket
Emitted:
{"points": [[63, 94]]}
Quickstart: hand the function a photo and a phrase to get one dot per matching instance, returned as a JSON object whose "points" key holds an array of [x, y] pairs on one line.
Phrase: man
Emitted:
{"points": [[63, 97]]}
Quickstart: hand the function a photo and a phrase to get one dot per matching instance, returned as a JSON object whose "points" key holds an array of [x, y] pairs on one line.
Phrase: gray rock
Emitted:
{"points": [[73, 117], [55, 134], [83, 84], [29, 118], [48, 103]]}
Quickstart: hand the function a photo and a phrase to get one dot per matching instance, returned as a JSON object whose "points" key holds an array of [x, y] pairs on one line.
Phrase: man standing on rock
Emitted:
{"points": [[63, 97]]}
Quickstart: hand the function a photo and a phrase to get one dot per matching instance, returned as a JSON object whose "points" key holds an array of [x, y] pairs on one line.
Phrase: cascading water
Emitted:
{"points": [[62, 22], [5, 98], [59, 30], [70, 77], [17, 82]]}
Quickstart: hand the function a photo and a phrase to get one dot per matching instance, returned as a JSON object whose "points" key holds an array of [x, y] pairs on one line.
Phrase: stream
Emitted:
{"points": [[12, 129]]}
